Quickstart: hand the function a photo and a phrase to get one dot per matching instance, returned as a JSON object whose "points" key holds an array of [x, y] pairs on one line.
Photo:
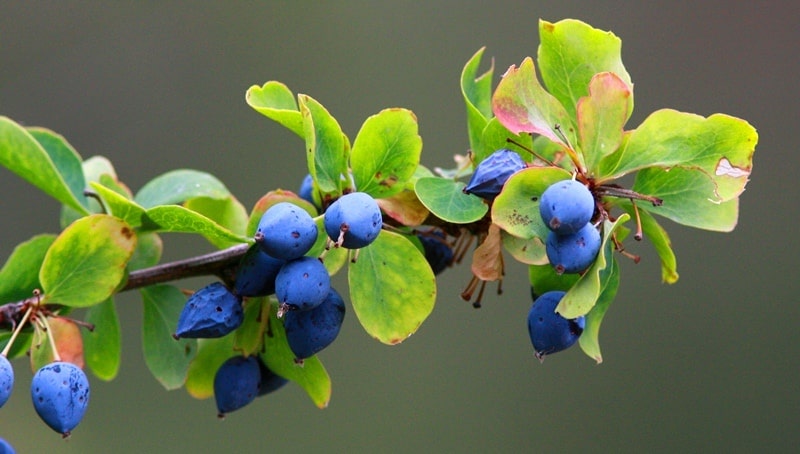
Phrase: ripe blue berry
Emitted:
{"points": [[6, 448], [549, 331], [6, 379], [270, 381], [257, 272], [310, 331], [575, 252], [236, 383], [60, 393], [492, 173], [438, 253], [302, 284], [306, 191], [212, 311], [353, 220], [286, 231], [566, 206]]}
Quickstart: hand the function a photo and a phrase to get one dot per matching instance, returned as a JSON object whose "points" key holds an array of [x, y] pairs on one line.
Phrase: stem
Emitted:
{"points": [[623, 193], [16, 331], [56, 356]]}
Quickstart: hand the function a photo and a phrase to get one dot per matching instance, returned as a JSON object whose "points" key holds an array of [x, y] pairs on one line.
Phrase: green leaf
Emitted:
{"points": [[249, 336], [120, 206], [721, 145], [653, 231], [589, 340], [103, 345], [477, 92], [543, 278], [530, 251], [386, 152], [178, 186], [227, 212], [86, 263], [689, 198], [601, 117], [327, 147], [570, 53], [175, 218], [495, 136], [149, 247], [516, 208], [521, 104], [211, 353], [445, 198], [52, 166], [22, 344], [275, 101], [20, 274], [580, 299], [168, 359], [96, 169], [392, 288], [279, 358]]}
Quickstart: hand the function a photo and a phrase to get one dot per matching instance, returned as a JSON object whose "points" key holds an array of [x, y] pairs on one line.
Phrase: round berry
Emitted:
{"points": [[549, 331], [492, 173], [212, 311], [60, 393], [566, 206], [353, 220], [236, 383], [286, 231], [311, 331], [575, 252], [302, 284], [257, 272], [6, 379]]}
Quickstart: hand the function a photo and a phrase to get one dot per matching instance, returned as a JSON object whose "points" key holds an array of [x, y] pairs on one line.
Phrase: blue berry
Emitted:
{"points": [[212, 311], [6, 379], [60, 393], [492, 173], [310, 331], [236, 383], [354, 220], [306, 191], [566, 206], [438, 253], [286, 231], [575, 252], [549, 331], [6, 448], [270, 381], [257, 272], [302, 284]]}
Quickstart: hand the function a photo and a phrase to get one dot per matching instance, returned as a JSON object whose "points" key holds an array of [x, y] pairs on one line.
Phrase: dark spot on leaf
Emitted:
{"points": [[127, 232]]}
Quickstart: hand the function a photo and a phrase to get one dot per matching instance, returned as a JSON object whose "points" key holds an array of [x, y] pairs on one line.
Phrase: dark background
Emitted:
{"points": [[707, 364]]}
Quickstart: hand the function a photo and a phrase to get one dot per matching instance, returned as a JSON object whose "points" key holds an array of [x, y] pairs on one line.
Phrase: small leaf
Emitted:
{"points": [[580, 299], [543, 278], [120, 207], [601, 117], [178, 186], [275, 101], [279, 358], [689, 198], [21, 153], [227, 212], [326, 145], [249, 337], [211, 353], [175, 218], [404, 207], [487, 260], [86, 263], [570, 53], [68, 341], [521, 104], [529, 251], [168, 359], [386, 152], [589, 340], [516, 209], [103, 345], [392, 288], [445, 198], [477, 92], [20, 274]]}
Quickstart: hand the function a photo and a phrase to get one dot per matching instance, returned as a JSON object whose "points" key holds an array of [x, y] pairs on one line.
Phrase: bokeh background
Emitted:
{"points": [[707, 364]]}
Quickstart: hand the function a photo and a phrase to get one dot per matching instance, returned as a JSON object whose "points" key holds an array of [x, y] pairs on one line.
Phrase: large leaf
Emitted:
{"points": [[20, 274], [86, 263], [521, 104], [279, 358], [386, 152], [326, 145], [689, 198], [516, 209], [601, 117], [392, 288], [227, 212], [720, 145], [168, 359], [589, 340], [52, 166], [275, 101], [211, 353], [570, 53], [582, 296], [178, 186], [175, 218], [103, 345], [445, 198], [477, 92]]}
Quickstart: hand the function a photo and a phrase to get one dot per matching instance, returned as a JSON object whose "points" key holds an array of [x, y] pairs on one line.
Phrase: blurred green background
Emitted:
{"points": [[708, 364]]}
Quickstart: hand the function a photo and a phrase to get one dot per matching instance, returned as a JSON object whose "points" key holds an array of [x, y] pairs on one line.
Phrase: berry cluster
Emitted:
{"points": [[567, 208], [312, 311]]}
